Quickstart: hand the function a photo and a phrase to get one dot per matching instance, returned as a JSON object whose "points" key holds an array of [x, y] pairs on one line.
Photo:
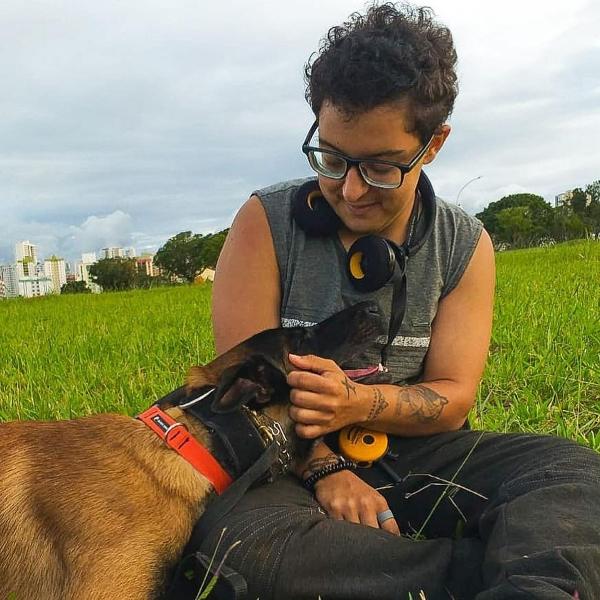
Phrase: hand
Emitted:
{"points": [[346, 497], [323, 398]]}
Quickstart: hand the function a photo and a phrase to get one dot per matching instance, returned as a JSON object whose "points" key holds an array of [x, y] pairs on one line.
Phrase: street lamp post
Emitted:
{"points": [[464, 186]]}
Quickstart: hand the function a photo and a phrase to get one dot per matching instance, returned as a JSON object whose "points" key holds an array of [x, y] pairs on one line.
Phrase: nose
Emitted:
{"points": [[355, 187]]}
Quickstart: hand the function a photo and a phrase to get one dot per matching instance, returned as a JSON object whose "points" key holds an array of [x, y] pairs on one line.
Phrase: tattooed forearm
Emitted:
{"points": [[420, 402], [318, 463], [378, 406], [349, 387]]}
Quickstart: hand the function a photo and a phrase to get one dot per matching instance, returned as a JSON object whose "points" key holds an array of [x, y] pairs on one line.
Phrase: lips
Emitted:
{"points": [[359, 209]]}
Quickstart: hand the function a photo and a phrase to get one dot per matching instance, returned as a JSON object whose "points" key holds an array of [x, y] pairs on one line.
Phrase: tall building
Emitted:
{"points": [[26, 250], [30, 276], [26, 258], [565, 198], [113, 252], [8, 276], [82, 270], [55, 269]]}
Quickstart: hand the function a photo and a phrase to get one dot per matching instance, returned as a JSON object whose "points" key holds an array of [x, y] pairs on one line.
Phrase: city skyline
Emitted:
{"points": [[28, 275], [124, 124]]}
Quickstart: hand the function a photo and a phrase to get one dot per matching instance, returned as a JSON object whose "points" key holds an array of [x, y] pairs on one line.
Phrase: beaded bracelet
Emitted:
{"points": [[340, 465]]}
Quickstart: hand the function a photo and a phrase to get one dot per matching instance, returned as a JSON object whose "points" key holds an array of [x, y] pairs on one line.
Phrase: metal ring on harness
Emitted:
{"points": [[172, 427]]}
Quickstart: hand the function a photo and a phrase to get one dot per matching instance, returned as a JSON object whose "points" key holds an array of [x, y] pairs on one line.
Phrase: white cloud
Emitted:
{"points": [[160, 117]]}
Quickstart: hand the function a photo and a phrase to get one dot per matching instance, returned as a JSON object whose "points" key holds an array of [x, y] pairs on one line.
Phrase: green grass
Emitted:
{"points": [[543, 373], [66, 356]]}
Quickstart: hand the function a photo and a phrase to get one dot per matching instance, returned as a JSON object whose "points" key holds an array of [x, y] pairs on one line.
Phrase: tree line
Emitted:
{"points": [[180, 260], [522, 220]]}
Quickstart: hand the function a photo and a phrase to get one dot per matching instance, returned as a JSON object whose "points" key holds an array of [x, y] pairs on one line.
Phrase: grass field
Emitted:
{"points": [[67, 356]]}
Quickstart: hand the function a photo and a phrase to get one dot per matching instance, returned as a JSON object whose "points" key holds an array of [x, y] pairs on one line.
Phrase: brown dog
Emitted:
{"points": [[100, 508]]}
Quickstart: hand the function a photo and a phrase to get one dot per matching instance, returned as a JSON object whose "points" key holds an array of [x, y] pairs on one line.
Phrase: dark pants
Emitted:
{"points": [[536, 534]]}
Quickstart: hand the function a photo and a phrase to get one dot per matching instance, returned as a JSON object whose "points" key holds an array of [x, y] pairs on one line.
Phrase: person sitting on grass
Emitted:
{"points": [[516, 516]]}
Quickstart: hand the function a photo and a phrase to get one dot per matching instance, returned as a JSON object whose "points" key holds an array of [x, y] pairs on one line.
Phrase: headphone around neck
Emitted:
{"points": [[372, 261]]}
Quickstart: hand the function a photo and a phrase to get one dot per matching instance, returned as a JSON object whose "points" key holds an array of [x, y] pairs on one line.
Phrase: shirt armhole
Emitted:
{"points": [[458, 263]]}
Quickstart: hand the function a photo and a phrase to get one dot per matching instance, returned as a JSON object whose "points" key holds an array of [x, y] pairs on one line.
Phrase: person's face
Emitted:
{"points": [[379, 133]]}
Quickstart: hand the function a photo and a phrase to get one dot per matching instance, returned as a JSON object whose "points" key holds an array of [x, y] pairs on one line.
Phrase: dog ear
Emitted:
{"points": [[234, 390]]}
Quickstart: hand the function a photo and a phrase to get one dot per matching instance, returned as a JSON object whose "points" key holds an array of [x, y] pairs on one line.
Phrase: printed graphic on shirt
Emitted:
{"points": [[406, 341], [295, 323], [399, 340]]}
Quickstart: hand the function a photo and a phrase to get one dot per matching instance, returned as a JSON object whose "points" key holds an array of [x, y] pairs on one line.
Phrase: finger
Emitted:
{"points": [[311, 400], [310, 362], [312, 382], [368, 516], [349, 512], [309, 417], [310, 432], [391, 525]]}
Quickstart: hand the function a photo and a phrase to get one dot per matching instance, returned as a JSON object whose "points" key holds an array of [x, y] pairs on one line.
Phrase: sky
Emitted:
{"points": [[125, 122]]}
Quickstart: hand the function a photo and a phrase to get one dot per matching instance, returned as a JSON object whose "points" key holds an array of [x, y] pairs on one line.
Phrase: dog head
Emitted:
{"points": [[253, 373]]}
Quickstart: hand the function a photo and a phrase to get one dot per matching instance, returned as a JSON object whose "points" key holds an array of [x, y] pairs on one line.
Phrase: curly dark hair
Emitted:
{"points": [[391, 54]]}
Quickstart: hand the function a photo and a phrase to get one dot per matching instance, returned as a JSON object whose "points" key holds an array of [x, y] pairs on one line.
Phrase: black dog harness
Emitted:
{"points": [[248, 447]]}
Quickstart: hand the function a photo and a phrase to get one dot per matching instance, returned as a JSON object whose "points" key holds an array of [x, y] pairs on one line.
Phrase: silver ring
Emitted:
{"points": [[384, 515]]}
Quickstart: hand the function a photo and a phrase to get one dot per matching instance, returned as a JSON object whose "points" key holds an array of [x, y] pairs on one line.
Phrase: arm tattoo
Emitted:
{"points": [[349, 387], [378, 406], [318, 463], [421, 402]]}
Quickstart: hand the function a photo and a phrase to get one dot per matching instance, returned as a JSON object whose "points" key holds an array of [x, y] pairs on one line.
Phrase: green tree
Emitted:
{"points": [[592, 210], [186, 254], [114, 273], [181, 255], [566, 224], [515, 225], [211, 248], [75, 287], [533, 223], [578, 202], [593, 190]]}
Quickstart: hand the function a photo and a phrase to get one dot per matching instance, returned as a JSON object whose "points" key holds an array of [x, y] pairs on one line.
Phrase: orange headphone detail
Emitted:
{"points": [[361, 445]]}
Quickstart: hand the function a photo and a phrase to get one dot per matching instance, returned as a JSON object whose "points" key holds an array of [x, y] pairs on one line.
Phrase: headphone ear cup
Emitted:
{"points": [[371, 262], [312, 212]]}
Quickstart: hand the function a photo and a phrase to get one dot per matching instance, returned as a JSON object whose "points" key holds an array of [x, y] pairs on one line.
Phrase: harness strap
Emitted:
{"points": [[234, 435], [218, 508], [177, 437]]}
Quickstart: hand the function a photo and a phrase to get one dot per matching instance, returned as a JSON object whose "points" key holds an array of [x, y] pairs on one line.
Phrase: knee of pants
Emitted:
{"points": [[554, 461], [255, 535]]}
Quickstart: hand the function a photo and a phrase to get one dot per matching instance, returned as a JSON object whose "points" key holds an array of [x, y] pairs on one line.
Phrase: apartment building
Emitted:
{"points": [[10, 283], [55, 269]]}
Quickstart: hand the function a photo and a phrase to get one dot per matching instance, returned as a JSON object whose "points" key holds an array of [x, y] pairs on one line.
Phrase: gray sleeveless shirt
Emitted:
{"points": [[314, 284]]}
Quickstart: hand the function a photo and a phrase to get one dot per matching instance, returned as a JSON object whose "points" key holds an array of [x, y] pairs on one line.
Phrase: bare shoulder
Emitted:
{"points": [[246, 292]]}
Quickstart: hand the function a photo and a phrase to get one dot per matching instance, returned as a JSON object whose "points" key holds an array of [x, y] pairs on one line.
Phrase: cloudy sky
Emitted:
{"points": [[125, 122]]}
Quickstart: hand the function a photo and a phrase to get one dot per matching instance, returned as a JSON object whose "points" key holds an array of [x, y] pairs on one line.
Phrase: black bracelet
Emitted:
{"points": [[340, 465]]}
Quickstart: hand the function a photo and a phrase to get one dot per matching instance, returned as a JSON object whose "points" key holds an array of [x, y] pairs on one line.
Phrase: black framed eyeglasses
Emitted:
{"points": [[385, 174]]}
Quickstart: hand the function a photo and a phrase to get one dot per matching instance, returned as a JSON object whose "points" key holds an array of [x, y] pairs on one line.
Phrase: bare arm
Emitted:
{"points": [[324, 400], [246, 294]]}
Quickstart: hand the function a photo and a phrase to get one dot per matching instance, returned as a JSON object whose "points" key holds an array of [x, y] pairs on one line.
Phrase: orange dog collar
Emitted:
{"points": [[177, 437]]}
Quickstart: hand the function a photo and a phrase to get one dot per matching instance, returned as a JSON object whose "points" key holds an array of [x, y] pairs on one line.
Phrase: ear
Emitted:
{"points": [[233, 390], [439, 138]]}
